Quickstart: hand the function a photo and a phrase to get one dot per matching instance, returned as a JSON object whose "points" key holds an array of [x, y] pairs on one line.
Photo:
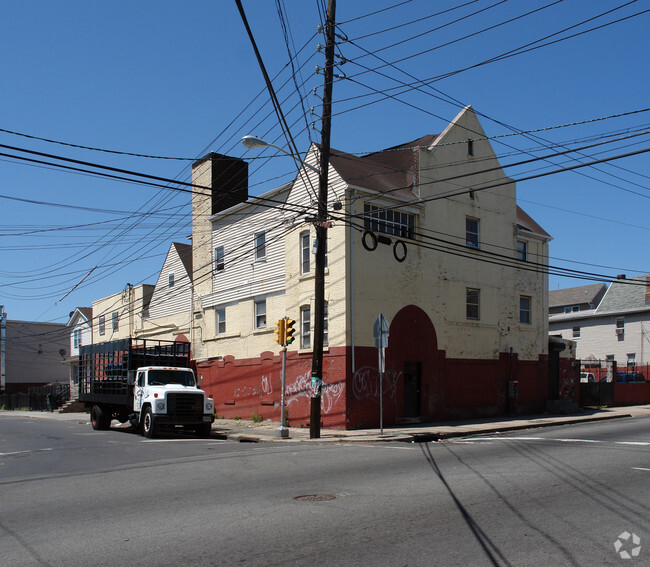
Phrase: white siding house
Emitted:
{"points": [[81, 333], [616, 329]]}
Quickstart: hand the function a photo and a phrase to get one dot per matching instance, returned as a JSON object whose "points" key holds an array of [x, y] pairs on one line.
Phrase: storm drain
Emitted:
{"points": [[314, 497]]}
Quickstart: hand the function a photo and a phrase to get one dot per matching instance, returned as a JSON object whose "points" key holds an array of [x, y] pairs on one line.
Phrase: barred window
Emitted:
{"points": [[389, 221]]}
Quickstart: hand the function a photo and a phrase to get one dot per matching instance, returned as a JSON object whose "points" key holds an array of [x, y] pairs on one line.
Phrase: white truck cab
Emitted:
{"points": [[169, 396]]}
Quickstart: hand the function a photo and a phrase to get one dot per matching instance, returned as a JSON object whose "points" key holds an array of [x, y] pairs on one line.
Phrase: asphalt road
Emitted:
{"points": [[560, 496]]}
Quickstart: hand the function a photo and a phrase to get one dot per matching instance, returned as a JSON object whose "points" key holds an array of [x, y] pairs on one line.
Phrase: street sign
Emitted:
{"points": [[380, 332]]}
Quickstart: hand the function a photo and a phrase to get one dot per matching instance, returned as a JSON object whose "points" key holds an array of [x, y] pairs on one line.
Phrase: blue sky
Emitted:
{"points": [[179, 79]]}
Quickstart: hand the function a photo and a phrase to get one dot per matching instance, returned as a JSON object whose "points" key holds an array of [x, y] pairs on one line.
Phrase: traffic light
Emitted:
{"points": [[280, 332], [289, 330]]}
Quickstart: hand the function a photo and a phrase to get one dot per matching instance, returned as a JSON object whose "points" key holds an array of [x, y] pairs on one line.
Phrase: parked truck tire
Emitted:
{"points": [[148, 423], [99, 418], [203, 430]]}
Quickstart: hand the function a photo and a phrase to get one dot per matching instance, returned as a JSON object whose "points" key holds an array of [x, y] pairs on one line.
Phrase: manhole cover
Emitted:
{"points": [[314, 497]]}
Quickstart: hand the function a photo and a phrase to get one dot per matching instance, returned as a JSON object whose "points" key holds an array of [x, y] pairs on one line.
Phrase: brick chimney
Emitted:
{"points": [[225, 180]]}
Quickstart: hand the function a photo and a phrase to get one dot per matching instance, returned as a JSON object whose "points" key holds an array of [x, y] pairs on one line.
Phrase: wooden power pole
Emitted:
{"points": [[321, 230]]}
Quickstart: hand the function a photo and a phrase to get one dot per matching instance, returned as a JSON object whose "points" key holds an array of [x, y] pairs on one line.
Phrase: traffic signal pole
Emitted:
{"points": [[284, 332], [321, 230]]}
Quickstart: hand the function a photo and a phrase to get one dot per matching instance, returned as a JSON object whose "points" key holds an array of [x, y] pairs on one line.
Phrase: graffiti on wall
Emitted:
{"points": [[267, 385], [301, 388], [365, 383]]}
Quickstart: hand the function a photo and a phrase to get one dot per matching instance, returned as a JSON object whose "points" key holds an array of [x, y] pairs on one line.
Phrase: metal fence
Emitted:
{"points": [[609, 371], [41, 398]]}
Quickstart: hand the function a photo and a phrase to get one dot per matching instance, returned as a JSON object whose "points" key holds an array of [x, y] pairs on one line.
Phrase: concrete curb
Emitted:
{"points": [[251, 432]]}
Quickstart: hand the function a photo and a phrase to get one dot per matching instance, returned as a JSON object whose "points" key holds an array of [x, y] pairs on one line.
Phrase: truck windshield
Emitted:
{"points": [[164, 377]]}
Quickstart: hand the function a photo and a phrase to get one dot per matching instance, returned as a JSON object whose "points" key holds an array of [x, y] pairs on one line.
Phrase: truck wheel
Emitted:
{"points": [[148, 424], [99, 419], [204, 430]]}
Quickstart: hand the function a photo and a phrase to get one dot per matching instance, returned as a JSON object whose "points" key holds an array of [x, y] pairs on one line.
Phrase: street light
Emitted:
{"points": [[253, 143]]}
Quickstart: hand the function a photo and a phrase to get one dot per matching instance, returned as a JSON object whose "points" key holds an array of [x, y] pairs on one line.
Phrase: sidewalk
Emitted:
{"points": [[245, 431]]}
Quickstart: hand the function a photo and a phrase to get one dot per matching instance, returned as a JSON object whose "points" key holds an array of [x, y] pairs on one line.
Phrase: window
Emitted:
{"points": [[305, 327], [221, 321], [102, 324], [470, 147], [389, 221], [631, 359], [260, 314], [170, 279], [304, 253], [522, 250], [260, 245], [77, 338], [472, 303], [471, 232], [572, 309], [325, 325], [116, 321], [524, 309], [576, 332], [219, 263]]}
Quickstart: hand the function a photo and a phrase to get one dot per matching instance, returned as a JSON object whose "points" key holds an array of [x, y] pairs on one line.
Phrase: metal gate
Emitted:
{"points": [[596, 394]]}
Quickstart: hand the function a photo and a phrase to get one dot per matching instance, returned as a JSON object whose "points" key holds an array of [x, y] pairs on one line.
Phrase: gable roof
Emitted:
{"points": [[576, 295], [625, 295], [392, 170], [525, 222], [86, 312], [184, 252]]}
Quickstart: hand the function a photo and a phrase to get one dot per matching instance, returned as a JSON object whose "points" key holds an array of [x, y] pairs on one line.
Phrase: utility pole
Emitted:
{"points": [[3, 348], [321, 229]]}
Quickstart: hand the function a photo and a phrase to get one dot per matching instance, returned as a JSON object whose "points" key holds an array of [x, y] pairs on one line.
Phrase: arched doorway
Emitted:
{"points": [[413, 353]]}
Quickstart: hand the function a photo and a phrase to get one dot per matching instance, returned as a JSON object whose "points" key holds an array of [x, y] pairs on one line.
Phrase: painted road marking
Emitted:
{"points": [[24, 452], [559, 440]]}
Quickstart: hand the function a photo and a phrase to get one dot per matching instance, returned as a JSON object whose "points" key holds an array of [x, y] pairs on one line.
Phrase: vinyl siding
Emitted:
{"points": [[167, 301]]}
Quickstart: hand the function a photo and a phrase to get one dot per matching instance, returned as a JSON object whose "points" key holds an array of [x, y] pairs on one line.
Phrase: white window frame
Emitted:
{"points": [[389, 221], [525, 312], [102, 325], [305, 252], [219, 259], [473, 303], [220, 320], [305, 327], [522, 250], [259, 244], [260, 314], [472, 237], [77, 338], [576, 332]]}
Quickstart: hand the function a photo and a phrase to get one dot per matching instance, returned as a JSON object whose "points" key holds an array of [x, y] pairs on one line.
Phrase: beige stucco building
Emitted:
{"points": [[428, 233]]}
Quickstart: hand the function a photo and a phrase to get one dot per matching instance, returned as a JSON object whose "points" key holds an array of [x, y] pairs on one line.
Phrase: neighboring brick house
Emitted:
{"points": [[615, 328], [462, 285], [81, 333]]}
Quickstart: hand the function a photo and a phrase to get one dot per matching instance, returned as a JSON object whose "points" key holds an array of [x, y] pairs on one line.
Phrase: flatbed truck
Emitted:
{"points": [[148, 383]]}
